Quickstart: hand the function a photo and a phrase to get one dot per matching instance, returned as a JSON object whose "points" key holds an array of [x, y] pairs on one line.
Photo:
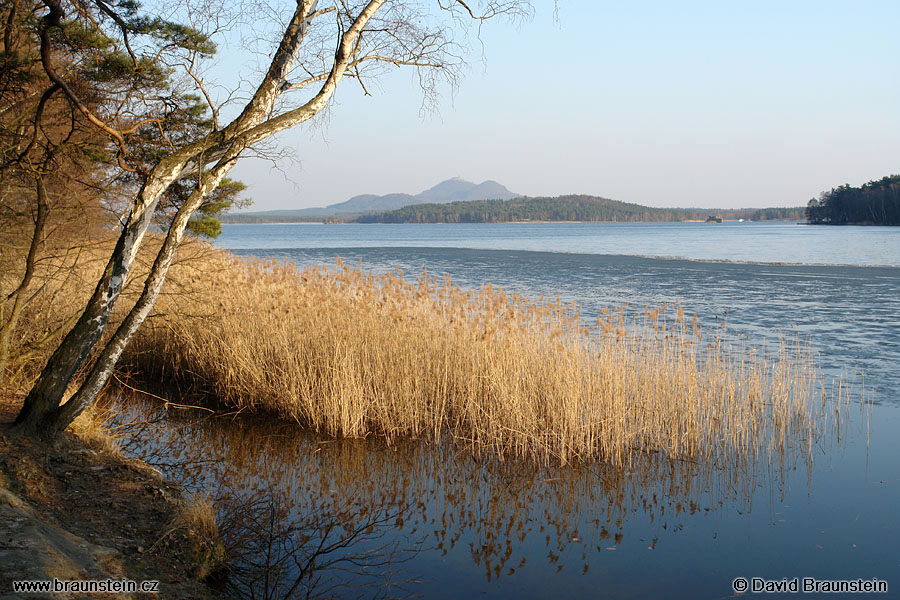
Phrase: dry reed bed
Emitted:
{"points": [[63, 280], [352, 354], [61, 285]]}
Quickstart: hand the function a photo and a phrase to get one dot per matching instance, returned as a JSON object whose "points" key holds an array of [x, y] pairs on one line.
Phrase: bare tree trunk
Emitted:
{"points": [[8, 32], [8, 327], [41, 413], [59, 419], [68, 357], [47, 393]]}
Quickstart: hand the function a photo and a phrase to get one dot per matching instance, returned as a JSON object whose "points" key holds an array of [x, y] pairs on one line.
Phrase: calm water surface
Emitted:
{"points": [[439, 522], [777, 242]]}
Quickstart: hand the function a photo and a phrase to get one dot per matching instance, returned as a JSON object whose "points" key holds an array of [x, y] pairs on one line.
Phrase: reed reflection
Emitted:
{"points": [[304, 516]]}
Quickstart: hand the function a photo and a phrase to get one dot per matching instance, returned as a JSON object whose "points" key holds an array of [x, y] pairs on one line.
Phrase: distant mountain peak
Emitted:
{"points": [[455, 189]]}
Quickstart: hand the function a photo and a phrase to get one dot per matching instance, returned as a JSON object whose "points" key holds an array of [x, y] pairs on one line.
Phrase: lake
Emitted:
{"points": [[776, 242], [438, 522]]}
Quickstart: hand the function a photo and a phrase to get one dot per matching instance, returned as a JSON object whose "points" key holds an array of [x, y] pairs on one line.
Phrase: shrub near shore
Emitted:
{"points": [[349, 353]]}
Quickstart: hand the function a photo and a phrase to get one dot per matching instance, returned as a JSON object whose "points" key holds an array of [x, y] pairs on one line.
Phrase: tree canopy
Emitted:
{"points": [[113, 98], [874, 203], [564, 208]]}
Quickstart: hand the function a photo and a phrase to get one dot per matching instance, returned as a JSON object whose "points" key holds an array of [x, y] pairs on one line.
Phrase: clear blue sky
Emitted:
{"points": [[697, 103]]}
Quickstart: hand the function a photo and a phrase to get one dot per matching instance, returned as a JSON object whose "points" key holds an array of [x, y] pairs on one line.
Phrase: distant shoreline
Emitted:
{"points": [[573, 208], [859, 224], [283, 223], [536, 222]]}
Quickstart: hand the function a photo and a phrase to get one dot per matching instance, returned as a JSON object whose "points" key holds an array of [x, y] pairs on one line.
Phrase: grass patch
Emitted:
{"points": [[195, 525], [92, 429], [351, 354]]}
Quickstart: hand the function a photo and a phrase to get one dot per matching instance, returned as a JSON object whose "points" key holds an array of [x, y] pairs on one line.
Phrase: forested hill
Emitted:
{"points": [[565, 208], [875, 203]]}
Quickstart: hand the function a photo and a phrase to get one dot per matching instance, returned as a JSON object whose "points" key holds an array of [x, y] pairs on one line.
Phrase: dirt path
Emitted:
{"points": [[76, 513]]}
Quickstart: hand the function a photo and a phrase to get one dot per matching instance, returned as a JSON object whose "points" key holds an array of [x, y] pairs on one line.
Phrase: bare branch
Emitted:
{"points": [[50, 21], [123, 27], [202, 88]]}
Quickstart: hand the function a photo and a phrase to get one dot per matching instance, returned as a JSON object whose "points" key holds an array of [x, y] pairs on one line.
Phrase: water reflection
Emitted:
{"points": [[304, 516], [276, 551]]}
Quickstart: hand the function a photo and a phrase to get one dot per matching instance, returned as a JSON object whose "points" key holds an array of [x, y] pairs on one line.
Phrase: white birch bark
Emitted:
{"points": [[41, 411]]}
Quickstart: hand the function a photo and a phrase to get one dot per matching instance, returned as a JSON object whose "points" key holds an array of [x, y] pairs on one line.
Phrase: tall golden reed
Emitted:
{"points": [[352, 354]]}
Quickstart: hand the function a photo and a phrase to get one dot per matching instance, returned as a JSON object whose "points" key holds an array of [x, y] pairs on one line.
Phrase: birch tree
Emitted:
{"points": [[321, 44]]}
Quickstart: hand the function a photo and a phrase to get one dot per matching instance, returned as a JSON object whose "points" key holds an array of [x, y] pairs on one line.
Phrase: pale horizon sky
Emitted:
{"points": [[697, 104]]}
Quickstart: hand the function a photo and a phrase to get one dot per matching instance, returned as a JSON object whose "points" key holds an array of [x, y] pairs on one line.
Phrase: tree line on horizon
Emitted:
{"points": [[565, 208], [876, 203]]}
